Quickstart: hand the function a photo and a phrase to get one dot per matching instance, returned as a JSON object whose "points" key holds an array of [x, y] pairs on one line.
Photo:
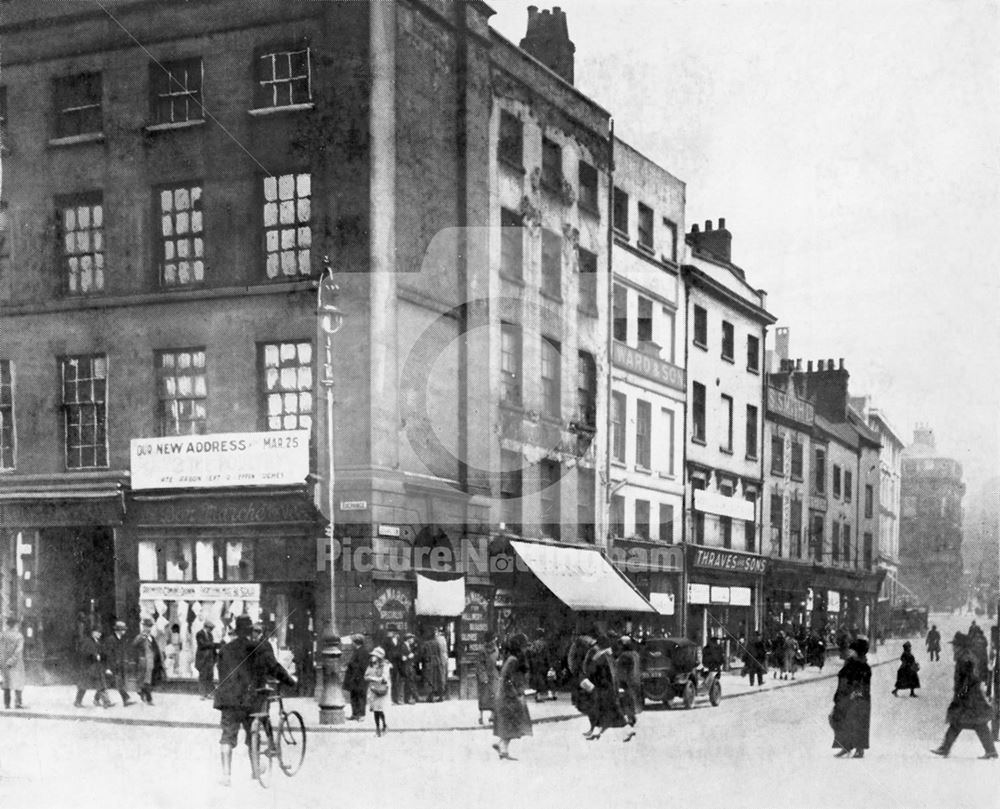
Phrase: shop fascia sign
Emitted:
{"points": [[277, 458], [717, 559], [789, 406], [648, 366]]}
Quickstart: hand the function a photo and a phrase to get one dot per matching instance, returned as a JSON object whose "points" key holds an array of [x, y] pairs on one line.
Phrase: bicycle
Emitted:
{"points": [[288, 744]]}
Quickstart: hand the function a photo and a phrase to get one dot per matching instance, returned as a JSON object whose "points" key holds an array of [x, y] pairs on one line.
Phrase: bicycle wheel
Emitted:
{"points": [[260, 752], [291, 742]]}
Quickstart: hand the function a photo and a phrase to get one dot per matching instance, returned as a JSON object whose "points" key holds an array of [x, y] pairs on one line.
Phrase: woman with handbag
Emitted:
{"points": [[378, 675], [511, 719], [906, 674], [607, 711], [852, 703]]}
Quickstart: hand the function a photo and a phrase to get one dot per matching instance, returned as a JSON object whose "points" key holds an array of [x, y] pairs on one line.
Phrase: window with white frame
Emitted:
{"points": [[8, 447], [587, 181], [175, 91], [288, 224], [645, 226], [666, 523], [618, 404], [551, 263], [510, 364], [668, 420], [511, 244], [549, 501], [550, 373], [644, 321], [587, 265], [287, 385], [81, 231], [182, 245], [642, 519], [727, 420], [667, 335], [619, 313], [183, 391], [284, 77], [78, 105], [585, 505], [85, 414], [643, 429], [586, 390]]}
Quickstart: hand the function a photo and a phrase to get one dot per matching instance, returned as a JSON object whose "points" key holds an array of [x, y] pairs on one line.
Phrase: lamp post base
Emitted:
{"points": [[331, 715]]}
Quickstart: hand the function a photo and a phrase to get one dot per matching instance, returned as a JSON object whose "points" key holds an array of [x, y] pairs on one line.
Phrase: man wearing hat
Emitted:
{"points": [[12, 662], [147, 654], [244, 666], [116, 650], [408, 669], [969, 708], [206, 650]]}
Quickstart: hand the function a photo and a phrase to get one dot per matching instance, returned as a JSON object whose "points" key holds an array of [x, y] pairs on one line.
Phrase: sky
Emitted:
{"points": [[854, 151]]}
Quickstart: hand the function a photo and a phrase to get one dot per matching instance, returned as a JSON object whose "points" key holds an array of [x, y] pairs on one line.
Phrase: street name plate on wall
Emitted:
{"points": [[278, 458]]}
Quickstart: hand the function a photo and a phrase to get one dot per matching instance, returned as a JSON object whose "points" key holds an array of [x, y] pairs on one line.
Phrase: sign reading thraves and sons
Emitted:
{"points": [[277, 458]]}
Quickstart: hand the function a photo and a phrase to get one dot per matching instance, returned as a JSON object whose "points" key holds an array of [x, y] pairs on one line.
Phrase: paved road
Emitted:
{"points": [[771, 749]]}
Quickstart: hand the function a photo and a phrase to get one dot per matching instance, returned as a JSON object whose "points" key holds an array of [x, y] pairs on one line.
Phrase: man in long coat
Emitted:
{"points": [[206, 650], [12, 662], [969, 708], [147, 653], [934, 643], [431, 670], [93, 671], [116, 649]]}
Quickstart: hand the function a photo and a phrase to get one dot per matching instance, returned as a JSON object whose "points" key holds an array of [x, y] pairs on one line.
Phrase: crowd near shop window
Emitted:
{"points": [[510, 364], [777, 455], [642, 519], [585, 505], [616, 516], [777, 548], [868, 551], [284, 77], [85, 414], [668, 334], [81, 235], [587, 264], [232, 560], [78, 105], [816, 536], [728, 340], [182, 246], [511, 244], [835, 542], [643, 427], [644, 333], [668, 421], [751, 431], [551, 263], [726, 531], [552, 177], [586, 389], [7, 435], [753, 353], [618, 404], [645, 226], [287, 385], [847, 544], [550, 512], [175, 91], [587, 178], [510, 146], [727, 414], [797, 459], [666, 523], [182, 391], [670, 234], [619, 313], [700, 326], [848, 486], [551, 374], [287, 224], [511, 490], [819, 473], [619, 211], [870, 502], [698, 412], [836, 481], [795, 529]]}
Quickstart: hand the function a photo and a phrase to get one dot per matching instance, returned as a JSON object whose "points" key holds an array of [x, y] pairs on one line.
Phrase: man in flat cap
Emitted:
{"points": [[206, 651]]}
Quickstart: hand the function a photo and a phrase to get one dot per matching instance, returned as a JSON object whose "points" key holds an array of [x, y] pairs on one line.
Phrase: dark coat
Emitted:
{"points": [[92, 664], [969, 707], [487, 676], [431, 670], [206, 651], [933, 641], [354, 673], [116, 650], [606, 711], [852, 706], [511, 719], [755, 657], [630, 680], [244, 667], [906, 674], [538, 664], [712, 656], [147, 652]]}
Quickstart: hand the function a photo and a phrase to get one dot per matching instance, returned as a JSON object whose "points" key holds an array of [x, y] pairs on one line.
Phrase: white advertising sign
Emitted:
{"points": [[714, 503], [199, 591], [663, 602], [720, 595], [698, 594], [739, 596], [832, 601], [277, 458]]}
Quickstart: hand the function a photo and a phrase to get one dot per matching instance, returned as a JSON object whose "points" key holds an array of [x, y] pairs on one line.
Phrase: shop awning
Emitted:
{"points": [[581, 578], [440, 597]]}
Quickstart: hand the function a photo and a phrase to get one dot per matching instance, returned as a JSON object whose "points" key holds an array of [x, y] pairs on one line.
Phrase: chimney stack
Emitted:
{"points": [[547, 39], [718, 242]]}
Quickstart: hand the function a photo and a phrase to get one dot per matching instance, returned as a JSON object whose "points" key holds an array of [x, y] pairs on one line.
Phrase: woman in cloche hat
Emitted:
{"points": [[378, 677]]}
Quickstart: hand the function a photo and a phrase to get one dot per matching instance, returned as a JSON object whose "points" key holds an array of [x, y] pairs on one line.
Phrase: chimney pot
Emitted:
{"points": [[829, 364], [722, 223], [708, 224], [695, 229], [809, 366], [841, 365], [798, 364], [820, 365]]}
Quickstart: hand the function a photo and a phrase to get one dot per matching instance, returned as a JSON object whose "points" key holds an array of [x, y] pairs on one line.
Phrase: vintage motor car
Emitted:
{"points": [[669, 669]]}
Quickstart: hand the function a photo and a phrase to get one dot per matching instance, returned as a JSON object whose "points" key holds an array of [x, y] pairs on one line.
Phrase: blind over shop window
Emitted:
{"points": [[287, 225]]}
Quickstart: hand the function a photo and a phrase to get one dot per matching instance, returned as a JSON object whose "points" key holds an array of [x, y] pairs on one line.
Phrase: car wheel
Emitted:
{"points": [[688, 694]]}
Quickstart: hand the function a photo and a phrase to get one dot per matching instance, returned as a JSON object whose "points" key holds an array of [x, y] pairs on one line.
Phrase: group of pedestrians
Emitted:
{"points": [[103, 664]]}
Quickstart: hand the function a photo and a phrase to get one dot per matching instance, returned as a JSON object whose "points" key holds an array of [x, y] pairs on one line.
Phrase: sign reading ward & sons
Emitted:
{"points": [[278, 458]]}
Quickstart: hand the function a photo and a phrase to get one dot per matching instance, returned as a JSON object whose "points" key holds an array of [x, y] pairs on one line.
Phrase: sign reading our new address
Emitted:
{"points": [[278, 458]]}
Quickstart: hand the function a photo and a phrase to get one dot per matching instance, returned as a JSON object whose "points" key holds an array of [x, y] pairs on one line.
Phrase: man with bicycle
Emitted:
{"points": [[244, 667]]}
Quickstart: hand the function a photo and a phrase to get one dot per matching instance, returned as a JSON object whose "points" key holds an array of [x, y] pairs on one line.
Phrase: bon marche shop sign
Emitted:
{"points": [[277, 458]]}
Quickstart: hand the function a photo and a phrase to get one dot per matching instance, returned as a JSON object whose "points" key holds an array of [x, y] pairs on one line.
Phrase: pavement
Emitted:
{"points": [[172, 709]]}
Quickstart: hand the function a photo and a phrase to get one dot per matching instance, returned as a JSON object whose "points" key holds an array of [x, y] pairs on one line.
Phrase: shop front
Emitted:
{"points": [[656, 570], [724, 597], [789, 600]]}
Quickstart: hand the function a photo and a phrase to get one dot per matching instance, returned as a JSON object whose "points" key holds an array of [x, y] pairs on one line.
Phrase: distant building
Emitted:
{"points": [[930, 540]]}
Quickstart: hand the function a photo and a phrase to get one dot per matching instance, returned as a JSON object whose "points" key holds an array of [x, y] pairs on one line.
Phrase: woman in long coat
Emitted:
{"points": [[906, 674], [630, 678], [852, 703], [578, 661], [969, 708], [511, 719], [607, 710], [12, 662], [487, 676]]}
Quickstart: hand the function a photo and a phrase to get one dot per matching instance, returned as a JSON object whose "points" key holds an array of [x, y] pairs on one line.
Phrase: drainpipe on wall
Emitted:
{"points": [[608, 322], [682, 595]]}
